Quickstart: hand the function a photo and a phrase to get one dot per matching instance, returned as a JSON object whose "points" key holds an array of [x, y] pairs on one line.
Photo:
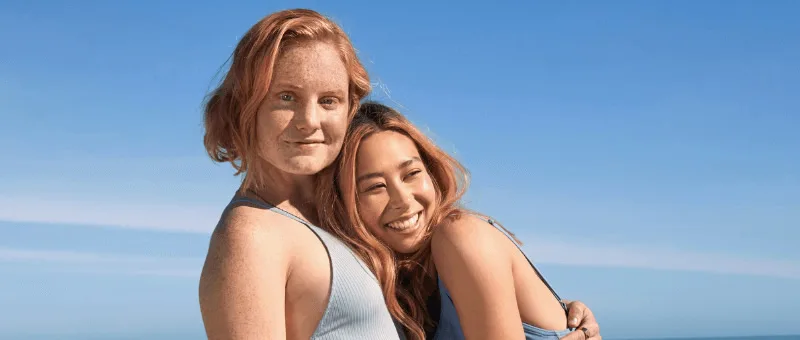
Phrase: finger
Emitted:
{"points": [[575, 335], [591, 330], [575, 314]]}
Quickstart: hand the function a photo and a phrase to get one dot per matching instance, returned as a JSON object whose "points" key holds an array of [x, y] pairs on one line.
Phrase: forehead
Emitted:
{"points": [[383, 151], [311, 64]]}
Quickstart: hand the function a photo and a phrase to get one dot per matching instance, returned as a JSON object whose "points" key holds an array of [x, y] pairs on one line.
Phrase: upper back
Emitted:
{"points": [[348, 302]]}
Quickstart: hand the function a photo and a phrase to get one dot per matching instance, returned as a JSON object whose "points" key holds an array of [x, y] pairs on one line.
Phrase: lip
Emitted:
{"points": [[309, 141], [404, 217]]}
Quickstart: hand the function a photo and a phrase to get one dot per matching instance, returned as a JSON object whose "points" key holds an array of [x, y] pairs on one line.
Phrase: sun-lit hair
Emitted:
{"points": [[407, 282], [230, 111]]}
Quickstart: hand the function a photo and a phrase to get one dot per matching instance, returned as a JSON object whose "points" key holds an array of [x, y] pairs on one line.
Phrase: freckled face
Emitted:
{"points": [[396, 196], [302, 122]]}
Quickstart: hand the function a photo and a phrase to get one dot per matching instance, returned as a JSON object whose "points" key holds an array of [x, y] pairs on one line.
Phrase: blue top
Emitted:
{"points": [[449, 327]]}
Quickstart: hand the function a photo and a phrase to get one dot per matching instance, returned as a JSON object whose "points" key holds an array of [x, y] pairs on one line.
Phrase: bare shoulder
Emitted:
{"points": [[465, 231], [244, 274], [246, 230], [467, 237], [246, 239]]}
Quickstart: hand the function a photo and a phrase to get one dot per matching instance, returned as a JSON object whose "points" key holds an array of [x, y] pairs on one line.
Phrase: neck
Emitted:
{"points": [[290, 192]]}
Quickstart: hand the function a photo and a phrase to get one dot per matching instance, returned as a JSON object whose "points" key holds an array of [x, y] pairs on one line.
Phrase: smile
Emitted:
{"points": [[306, 145], [405, 223], [308, 142]]}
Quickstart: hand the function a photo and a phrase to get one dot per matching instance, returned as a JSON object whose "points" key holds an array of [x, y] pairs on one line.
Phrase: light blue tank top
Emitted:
{"points": [[449, 326], [356, 308]]}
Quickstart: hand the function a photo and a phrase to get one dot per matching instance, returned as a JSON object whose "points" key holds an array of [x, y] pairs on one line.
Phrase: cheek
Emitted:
{"points": [[428, 191], [335, 126], [370, 209], [270, 124]]}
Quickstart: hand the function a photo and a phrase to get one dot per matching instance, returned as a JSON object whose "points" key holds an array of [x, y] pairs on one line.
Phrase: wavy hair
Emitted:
{"points": [[230, 110], [407, 282]]}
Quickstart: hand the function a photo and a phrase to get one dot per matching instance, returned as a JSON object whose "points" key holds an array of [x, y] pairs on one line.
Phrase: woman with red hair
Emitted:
{"points": [[279, 117]]}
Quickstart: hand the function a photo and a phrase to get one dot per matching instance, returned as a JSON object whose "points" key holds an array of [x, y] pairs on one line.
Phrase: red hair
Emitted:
{"points": [[230, 111], [407, 283]]}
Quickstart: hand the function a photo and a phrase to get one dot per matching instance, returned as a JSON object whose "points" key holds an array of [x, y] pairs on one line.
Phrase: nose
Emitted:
{"points": [[400, 198], [307, 118]]}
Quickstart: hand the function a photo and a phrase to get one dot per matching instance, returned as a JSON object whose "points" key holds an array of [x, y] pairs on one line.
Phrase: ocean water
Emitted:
{"points": [[161, 336], [754, 337], [202, 336]]}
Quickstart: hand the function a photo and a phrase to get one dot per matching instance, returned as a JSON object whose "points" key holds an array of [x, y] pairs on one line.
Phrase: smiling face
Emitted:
{"points": [[396, 195], [302, 121]]}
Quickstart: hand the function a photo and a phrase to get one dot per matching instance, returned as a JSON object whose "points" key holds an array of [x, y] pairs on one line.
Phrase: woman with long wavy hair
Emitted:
{"points": [[279, 117], [393, 195]]}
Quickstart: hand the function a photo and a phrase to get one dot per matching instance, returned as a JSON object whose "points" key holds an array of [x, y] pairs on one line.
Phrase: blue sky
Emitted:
{"points": [[645, 151]]}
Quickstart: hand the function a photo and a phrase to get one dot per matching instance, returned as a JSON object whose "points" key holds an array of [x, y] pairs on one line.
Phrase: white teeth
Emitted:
{"points": [[404, 224]]}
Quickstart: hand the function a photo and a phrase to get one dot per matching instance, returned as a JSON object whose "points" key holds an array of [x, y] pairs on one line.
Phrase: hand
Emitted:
{"points": [[581, 318]]}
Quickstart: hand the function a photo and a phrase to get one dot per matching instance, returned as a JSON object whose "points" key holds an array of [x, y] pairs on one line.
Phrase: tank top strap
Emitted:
{"points": [[493, 223], [272, 208], [356, 308]]}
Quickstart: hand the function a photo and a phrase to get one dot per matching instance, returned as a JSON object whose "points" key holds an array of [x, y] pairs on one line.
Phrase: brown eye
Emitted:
{"points": [[375, 187], [413, 173]]}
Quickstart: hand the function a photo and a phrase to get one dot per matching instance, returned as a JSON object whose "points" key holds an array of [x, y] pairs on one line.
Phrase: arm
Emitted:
{"points": [[242, 286], [468, 257]]}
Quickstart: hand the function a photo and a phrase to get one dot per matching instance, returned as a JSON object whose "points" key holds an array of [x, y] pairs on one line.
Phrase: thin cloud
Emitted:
{"points": [[657, 258], [202, 219], [160, 217], [86, 262]]}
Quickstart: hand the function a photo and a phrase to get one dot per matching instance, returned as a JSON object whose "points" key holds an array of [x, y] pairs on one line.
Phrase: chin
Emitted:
{"points": [[308, 165], [407, 249]]}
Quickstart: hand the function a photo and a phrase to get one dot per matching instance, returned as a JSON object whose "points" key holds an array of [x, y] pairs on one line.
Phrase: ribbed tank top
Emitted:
{"points": [[356, 308]]}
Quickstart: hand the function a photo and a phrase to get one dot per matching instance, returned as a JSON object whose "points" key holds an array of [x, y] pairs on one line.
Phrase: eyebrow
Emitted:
{"points": [[337, 93], [288, 85], [294, 87], [380, 174]]}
